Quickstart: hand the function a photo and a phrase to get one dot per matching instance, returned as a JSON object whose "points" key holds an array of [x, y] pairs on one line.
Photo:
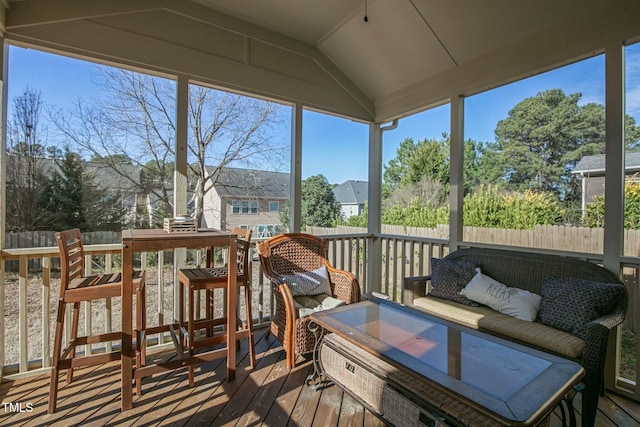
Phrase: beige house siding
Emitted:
{"points": [[252, 191], [218, 213], [256, 222], [211, 214], [593, 186]]}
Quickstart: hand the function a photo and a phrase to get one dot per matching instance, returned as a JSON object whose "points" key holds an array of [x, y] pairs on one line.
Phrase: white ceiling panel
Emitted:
{"points": [[376, 53], [410, 53], [304, 20], [470, 29]]}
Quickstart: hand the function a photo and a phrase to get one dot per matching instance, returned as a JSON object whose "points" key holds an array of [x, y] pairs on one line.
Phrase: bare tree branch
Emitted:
{"points": [[135, 120]]}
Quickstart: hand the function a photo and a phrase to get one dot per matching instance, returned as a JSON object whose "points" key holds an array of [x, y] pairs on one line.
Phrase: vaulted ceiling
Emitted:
{"points": [[408, 55]]}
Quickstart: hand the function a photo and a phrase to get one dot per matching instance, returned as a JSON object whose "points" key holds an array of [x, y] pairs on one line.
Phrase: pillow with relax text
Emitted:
{"points": [[569, 304], [314, 282], [449, 277], [513, 302]]}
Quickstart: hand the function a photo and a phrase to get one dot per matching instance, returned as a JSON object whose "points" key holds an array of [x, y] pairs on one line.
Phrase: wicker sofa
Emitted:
{"points": [[527, 271]]}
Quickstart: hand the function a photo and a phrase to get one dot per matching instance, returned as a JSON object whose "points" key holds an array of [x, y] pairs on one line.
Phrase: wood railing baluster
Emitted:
{"points": [[46, 311], [108, 304], [396, 249], [23, 333]]}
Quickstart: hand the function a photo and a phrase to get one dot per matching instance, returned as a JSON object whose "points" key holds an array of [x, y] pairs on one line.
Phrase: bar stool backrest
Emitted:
{"points": [[71, 257]]}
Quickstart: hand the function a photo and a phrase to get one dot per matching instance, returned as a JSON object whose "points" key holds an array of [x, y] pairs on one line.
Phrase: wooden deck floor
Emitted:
{"points": [[269, 395]]}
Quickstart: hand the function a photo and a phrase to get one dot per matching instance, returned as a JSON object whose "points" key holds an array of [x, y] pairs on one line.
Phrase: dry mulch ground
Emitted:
{"points": [[97, 313]]}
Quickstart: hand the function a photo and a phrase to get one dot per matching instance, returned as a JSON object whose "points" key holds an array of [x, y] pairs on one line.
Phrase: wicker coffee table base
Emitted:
{"points": [[400, 396]]}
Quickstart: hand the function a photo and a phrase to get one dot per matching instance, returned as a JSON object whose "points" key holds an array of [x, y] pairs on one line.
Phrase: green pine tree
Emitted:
{"points": [[75, 200]]}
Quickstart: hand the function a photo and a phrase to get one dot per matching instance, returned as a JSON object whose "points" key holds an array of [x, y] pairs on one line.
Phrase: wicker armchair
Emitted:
{"points": [[293, 253]]}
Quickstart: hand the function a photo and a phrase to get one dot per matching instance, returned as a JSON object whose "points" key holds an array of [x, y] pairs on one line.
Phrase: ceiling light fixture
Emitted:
{"points": [[366, 18]]}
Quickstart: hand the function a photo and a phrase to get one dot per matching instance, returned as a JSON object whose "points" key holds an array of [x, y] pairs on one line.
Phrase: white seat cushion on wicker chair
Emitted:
{"points": [[305, 305]]}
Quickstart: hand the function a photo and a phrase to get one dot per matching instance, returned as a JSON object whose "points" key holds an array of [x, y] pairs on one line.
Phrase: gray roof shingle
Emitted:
{"points": [[234, 182], [596, 163], [352, 192], [127, 178]]}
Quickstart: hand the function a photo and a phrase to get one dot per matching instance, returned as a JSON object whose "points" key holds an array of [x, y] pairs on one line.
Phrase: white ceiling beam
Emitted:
{"points": [[114, 46], [61, 24], [42, 12], [564, 44], [255, 32]]}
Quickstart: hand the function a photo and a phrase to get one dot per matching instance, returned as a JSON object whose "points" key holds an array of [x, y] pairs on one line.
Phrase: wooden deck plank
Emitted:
{"points": [[351, 412], [249, 387], [208, 378], [613, 412], [207, 387], [20, 390], [110, 412], [87, 382], [110, 394], [305, 408], [268, 351], [280, 411], [371, 420], [258, 408], [628, 406], [269, 395], [328, 409], [153, 391], [171, 408]]}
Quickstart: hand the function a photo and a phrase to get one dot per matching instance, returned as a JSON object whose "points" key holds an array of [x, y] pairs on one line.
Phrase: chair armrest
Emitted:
{"points": [[414, 287], [282, 292], [344, 285], [597, 336]]}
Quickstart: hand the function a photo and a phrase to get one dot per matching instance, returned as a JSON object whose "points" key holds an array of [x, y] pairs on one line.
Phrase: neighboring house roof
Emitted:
{"points": [[234, 182], [595, 164], [126, 179], [352, 192]]}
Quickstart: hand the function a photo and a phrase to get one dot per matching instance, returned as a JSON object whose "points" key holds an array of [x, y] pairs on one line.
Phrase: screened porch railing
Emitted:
{"points": [[30, 294]]}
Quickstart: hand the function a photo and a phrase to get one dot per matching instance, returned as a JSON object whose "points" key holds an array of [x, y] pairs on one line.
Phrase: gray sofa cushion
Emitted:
{"points": [[485, 319]]}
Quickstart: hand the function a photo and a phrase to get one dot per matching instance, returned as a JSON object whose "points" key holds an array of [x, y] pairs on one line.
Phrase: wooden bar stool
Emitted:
{"points": [[75, 288], [209, 279]]}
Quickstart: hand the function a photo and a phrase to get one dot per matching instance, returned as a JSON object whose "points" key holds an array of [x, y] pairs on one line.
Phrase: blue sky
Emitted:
{"points": [[336, 147]]}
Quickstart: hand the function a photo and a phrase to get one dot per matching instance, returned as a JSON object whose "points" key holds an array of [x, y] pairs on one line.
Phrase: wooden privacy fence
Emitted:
{"points": [[551, 237], [45, 239], [580, 240]]}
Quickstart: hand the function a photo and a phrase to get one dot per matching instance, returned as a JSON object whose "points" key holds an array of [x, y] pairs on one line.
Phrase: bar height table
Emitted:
{"points": [[158, 240]]}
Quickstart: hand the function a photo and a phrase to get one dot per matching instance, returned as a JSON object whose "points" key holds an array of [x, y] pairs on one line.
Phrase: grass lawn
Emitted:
{"points": [[628, 354]]}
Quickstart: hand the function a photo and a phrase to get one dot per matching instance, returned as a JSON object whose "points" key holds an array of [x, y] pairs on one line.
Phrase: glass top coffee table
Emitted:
{"points": [[513, 382]]}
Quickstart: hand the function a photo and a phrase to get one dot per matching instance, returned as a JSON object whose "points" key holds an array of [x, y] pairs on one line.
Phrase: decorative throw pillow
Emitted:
{"points": [[449, 277], [513, 302], [569, 304], [309, 282]]}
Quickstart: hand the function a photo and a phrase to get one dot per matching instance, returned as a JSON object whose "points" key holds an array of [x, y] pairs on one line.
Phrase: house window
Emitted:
{"points": [[274, 206], [244, 207]]}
